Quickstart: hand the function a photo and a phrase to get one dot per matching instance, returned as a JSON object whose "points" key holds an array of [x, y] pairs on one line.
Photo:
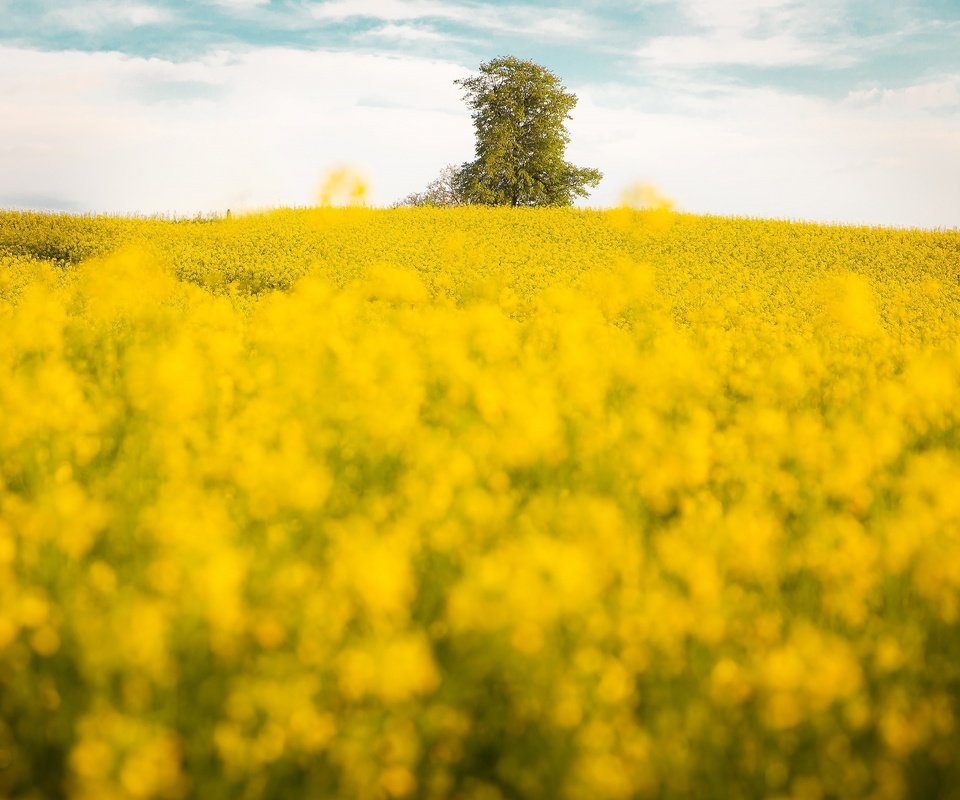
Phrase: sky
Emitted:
{"points": [[827, 110]]}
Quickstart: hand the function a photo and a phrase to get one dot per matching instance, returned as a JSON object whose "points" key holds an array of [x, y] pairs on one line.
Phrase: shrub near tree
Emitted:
{"points": [[442, 191]]}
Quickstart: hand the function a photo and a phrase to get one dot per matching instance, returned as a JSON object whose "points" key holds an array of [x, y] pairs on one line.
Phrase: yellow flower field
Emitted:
{"points": [[478, 504]]}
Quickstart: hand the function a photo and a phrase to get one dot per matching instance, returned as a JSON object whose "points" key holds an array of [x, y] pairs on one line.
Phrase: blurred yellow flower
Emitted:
{"points": [[477, 503]]}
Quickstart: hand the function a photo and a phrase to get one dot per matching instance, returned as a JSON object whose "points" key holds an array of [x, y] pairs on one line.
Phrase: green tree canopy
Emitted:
{"points": [[520, 111]]}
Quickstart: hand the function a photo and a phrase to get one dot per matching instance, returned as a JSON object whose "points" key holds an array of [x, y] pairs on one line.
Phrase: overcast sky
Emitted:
{"points": [[832, 110]]}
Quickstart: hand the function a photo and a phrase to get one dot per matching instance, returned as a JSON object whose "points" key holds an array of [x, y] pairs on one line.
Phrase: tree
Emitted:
{"points": [[520, 111], [442, 191]]}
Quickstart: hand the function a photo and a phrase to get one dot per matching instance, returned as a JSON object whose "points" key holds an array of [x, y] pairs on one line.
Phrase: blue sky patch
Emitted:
{"points": [[820, 47]]}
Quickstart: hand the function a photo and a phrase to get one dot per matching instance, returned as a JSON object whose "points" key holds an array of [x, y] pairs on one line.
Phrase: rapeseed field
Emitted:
{"points": [[478, 504]]}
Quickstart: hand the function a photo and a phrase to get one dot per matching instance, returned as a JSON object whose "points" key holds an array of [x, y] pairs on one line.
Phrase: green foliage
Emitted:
{"points": [[519, 113]]}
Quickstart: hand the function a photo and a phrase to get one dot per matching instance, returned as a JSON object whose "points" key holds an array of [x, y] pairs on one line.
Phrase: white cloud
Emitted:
{"points": [[240, 5], [939, 94], [723, 47], [758, 33], [99, 14], [544, 22], [765, 153], [260, 127], [408, 34], [739, 15], [764, 17], [88, 128]]}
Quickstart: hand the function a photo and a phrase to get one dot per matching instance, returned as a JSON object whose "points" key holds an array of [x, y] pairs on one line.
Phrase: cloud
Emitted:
{"points": [[746, 16], [254, 127], [408, 34], [754, 33], [533, 21], [100, 14], [939, 94], [239, 5], [769, 153], [726, 48], [259, 127]]}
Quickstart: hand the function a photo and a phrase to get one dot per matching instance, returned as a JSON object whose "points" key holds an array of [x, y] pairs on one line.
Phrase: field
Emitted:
{"points": [[478, 504]]}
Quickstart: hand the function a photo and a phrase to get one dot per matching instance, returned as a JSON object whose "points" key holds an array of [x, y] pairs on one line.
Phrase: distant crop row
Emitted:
{"points": [[473, 503]]}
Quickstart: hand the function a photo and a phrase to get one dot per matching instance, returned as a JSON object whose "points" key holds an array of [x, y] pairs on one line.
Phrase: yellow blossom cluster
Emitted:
{"points": [[478, 504]]}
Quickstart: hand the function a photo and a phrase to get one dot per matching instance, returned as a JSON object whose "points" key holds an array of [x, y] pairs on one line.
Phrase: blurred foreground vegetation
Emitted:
{"points": [[478, 503]]}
